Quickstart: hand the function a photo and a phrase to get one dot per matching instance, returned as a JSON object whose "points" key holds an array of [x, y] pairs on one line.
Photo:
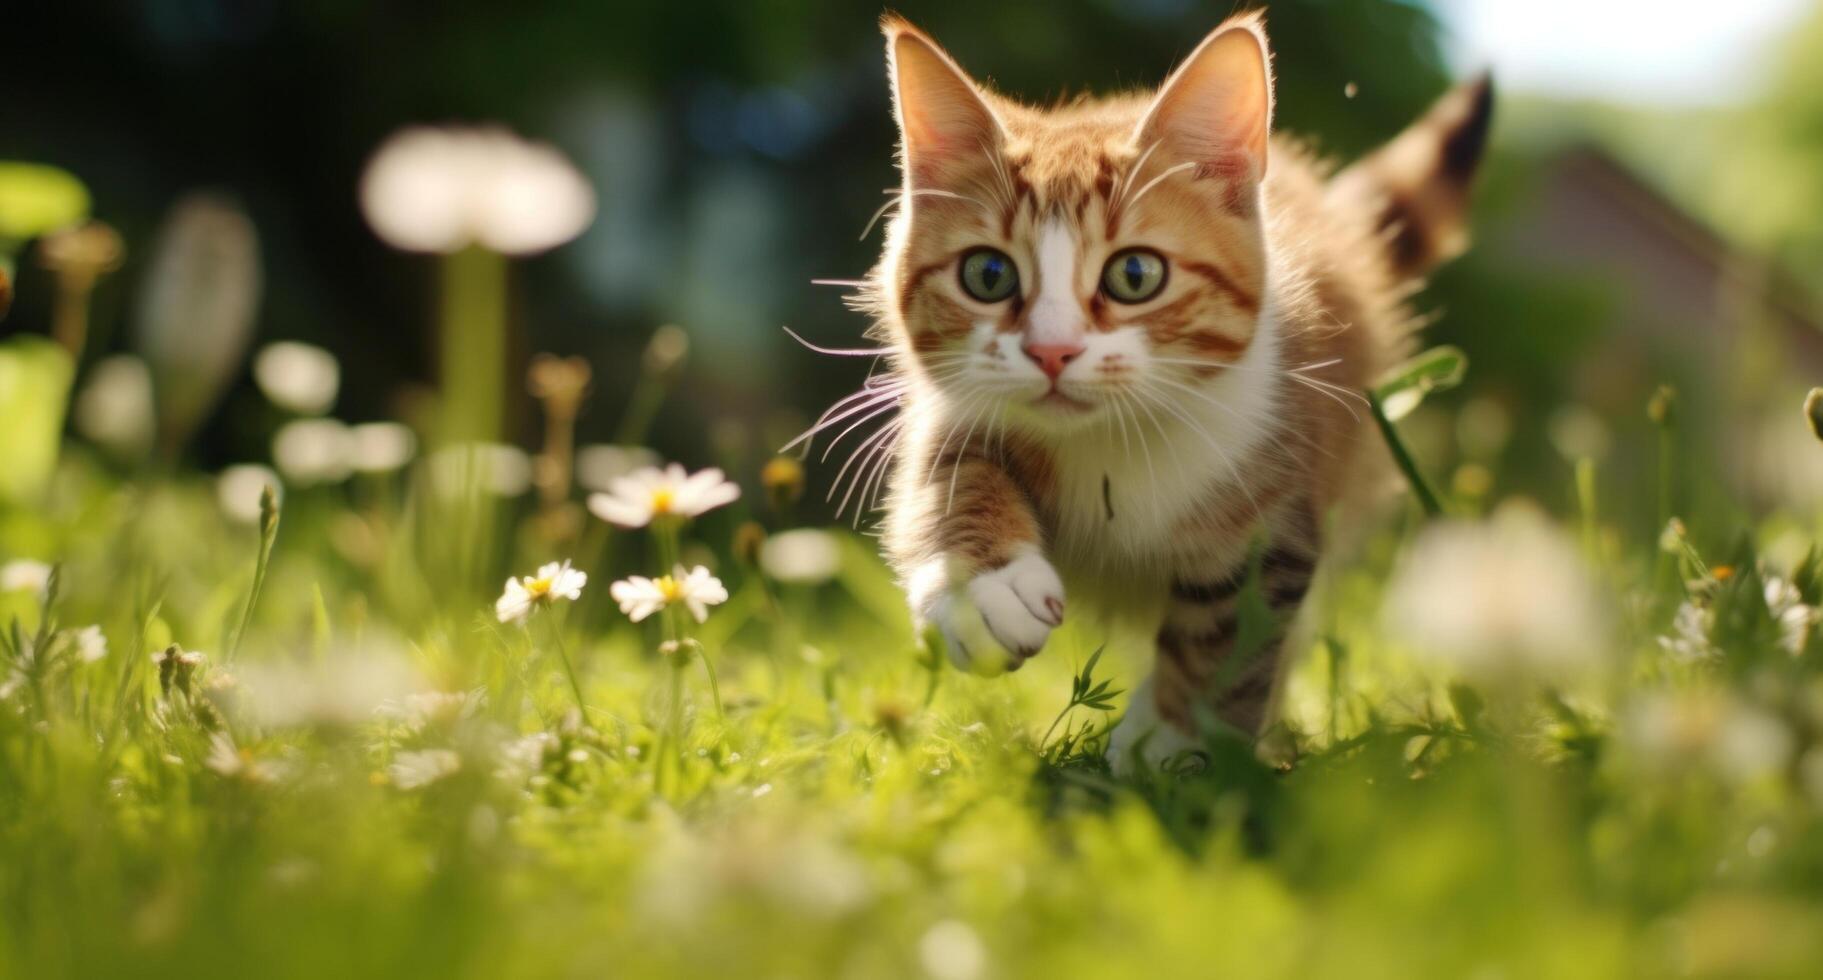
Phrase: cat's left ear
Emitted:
{"points": [[945, 126], [1216, 108]]}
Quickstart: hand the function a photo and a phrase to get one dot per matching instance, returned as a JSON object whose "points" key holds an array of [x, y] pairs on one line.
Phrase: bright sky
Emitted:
{"points": [[1667, 52]]}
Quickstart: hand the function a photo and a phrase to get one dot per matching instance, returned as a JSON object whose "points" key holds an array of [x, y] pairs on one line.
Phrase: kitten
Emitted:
{"points": [[1129, 337]]}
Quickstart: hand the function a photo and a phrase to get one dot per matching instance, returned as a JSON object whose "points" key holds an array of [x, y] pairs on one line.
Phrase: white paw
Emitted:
{"points": [[1144, 740], [998, 619]]}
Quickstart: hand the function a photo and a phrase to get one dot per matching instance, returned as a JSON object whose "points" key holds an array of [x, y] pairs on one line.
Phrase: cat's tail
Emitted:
{"points": [[1417, 186]]}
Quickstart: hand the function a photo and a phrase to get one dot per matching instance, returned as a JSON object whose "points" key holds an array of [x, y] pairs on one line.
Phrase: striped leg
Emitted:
{"points": [[1204, 657]]}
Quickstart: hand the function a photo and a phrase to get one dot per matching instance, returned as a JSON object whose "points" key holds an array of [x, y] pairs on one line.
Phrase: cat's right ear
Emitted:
{"points": [[945, 126]]}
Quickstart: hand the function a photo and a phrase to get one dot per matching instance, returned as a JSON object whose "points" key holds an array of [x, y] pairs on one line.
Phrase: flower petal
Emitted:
{"points": [[618, 510]]}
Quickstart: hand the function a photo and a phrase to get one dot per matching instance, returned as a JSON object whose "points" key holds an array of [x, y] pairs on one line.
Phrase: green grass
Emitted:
{"points": [[858, 809]]}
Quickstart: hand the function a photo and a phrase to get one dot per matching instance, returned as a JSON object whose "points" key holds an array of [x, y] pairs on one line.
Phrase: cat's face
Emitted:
{"points": [[1052, 268]]}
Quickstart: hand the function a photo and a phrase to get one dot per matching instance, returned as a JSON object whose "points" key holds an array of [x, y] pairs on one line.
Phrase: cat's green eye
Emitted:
{"points": [[989, 275], [1134, 276]]}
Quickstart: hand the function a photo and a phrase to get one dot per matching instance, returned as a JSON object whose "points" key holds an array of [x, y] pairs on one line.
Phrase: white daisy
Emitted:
{"points": [[640, 597], [25, 575], [636, 499], [297, 377], [415, 770], [91, 645], [556, 580]]}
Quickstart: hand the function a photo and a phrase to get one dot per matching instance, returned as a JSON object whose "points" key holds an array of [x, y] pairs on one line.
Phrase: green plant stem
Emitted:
{"points": [[569, 668], [472, 358], [269, 529], [1427, 498]]}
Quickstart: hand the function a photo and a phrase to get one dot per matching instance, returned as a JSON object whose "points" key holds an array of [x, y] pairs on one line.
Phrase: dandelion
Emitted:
{"points": [[25, 575], [641, 497], [640, 597], [556, 580], [1505, 597], [297, 377], [415, 770], [804, 556], [441, 190]]}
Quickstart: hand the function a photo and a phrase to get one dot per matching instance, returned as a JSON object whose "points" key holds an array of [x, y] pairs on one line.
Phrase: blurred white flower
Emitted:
{"points": [[415, 770], [91, 644], [232, 762], [25, 575], [115, 408], [640, 597], [494, 468], [1788, 609], [1497, 599], [1689, 636], [297, 377], [441, 190], [342, 690], [196, 313], [950, 950], [556, 580], [427, 708], [1671, 731], [598, 466], [1578, 433], [381, 447], [635, 499], [238, 490], [804, 556], [313, 451]]}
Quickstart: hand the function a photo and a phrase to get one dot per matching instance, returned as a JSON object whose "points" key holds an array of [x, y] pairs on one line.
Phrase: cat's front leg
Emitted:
{"points": [[984, 581]]}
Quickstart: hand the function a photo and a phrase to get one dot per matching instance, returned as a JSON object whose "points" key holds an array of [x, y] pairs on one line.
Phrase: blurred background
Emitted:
{"points": [[1653, 211]]}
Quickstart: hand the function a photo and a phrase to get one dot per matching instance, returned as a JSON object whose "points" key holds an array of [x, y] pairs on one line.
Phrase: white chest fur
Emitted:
{"points": [[1127, 486]]}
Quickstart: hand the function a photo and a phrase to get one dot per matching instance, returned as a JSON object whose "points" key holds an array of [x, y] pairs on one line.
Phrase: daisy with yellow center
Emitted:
{"points": [[556, 580], [640, 497], [695, 589]]}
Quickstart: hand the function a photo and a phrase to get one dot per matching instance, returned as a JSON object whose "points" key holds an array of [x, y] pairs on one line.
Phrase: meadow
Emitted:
{"points": [[313, 736], [345, 632]]}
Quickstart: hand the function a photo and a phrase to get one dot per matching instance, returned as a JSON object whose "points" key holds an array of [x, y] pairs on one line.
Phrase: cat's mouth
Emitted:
{"points": [[1056, 400]]}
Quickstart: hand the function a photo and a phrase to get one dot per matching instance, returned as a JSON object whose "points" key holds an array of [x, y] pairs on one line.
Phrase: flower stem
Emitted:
{"points": [[1421, 488], [569, 668], [473, 351]]}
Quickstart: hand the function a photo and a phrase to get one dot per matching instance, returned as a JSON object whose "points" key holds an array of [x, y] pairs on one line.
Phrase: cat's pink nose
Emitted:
{"points": [[1052, 358]]}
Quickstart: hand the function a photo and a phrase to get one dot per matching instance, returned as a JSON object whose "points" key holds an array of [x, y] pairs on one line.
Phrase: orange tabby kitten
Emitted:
{"points": [[1128, 338]]}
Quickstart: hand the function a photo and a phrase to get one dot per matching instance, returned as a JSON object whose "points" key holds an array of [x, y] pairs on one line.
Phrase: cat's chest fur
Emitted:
{"points": [[1130, 494]]}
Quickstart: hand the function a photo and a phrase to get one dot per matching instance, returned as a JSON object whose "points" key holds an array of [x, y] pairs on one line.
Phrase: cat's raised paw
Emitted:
{"points": [[999, 619]]}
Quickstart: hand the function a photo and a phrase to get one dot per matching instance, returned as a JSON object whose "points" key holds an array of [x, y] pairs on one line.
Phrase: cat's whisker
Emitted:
{"points": [[878, 441], [1217, 403], [956, 470], [878, 411], [954, 423], [854, 456], [848, 407], [1227, 460], [1154, 182], [836, 351], [900, 196], [1322, 389], [841, 283], [1126, 181]]}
